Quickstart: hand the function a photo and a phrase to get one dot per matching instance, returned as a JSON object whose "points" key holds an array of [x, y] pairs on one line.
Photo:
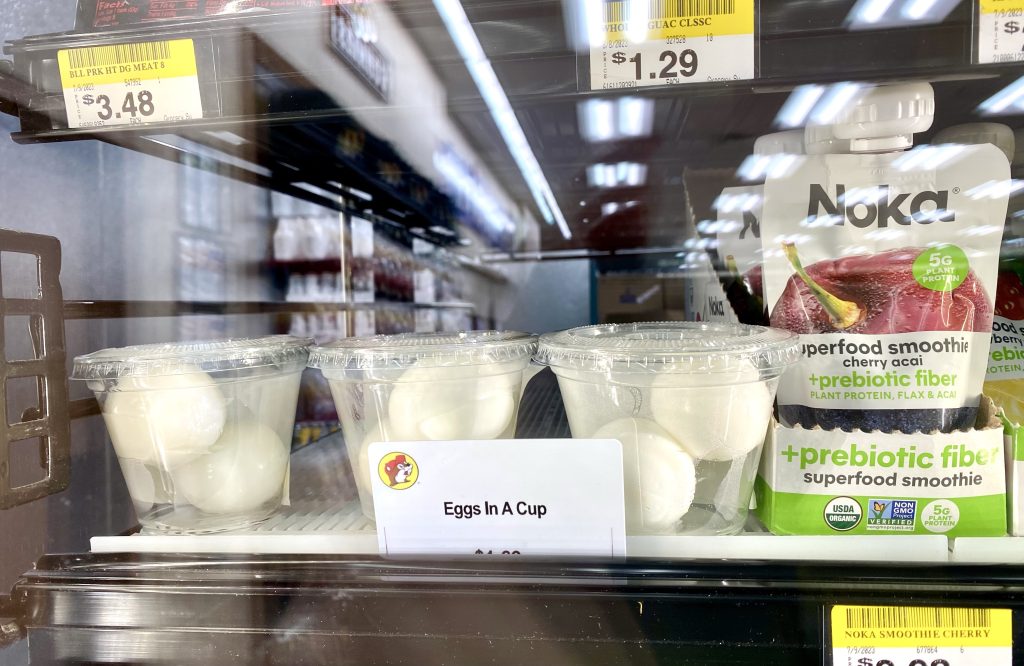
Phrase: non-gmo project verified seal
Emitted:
{"points": [[891, 515]]}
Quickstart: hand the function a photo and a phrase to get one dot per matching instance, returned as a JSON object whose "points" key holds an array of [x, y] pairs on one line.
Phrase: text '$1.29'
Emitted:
{"points": [[670, 63]]}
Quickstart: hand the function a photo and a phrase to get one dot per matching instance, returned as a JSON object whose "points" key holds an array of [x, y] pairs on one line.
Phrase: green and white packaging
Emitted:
{"points": [[813, 481], [1004, 379], [1014, 476]]}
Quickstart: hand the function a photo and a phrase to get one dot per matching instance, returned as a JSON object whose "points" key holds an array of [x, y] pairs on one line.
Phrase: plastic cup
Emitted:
{"points": [[424, 387], [691, 404], [202, 430]]}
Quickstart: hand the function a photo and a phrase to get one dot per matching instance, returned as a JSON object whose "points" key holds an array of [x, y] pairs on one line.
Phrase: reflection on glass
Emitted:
{"points": [[798, 106], [630, 174], [486, 80], [876, 14], [1008, 100], [611, 120]]}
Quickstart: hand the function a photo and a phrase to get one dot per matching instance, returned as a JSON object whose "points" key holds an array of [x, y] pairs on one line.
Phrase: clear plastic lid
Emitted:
{"points": [[397, 352], [680, 347], [174, 358]]}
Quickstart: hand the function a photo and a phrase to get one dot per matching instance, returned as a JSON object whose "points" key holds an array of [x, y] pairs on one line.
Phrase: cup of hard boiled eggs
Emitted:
{"points": [[424, 387], [202, 430], [691, 404]]}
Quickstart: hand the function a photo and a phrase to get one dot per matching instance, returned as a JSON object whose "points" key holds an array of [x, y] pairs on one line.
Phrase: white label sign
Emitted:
{"points": [[130, 84], [654, 43], [1000, 31], [524, 497]]}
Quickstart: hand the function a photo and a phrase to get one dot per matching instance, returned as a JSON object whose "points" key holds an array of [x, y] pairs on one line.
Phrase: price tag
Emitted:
{"points": [[671, 42], [915, 636], [506, 497], [1000, 30], [130, 84]]}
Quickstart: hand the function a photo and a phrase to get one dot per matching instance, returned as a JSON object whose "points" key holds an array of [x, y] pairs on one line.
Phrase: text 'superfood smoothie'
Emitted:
{"points": [[884, 261]]}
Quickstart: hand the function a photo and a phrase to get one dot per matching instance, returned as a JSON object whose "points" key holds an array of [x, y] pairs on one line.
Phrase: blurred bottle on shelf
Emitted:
{"points": [[307, 238]]}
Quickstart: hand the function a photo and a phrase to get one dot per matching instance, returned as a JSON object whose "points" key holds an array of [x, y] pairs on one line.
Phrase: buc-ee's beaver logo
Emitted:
{"points": [[398, 470]]}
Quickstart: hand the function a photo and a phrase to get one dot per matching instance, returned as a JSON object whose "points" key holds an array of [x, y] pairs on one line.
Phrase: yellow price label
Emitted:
{"points": [[993, 6], [674, 19], [144, 61], [911, 627]]}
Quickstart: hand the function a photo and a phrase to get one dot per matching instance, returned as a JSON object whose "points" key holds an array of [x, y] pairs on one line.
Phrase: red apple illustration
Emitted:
{"points": [[876, 294]]}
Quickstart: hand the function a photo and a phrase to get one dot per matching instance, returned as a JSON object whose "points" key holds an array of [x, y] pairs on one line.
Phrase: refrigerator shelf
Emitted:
{"points": [[343, 530], [196, 608]]}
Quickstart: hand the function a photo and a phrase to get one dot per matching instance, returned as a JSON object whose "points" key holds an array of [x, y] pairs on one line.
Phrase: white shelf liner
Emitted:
{"points": [[988, 550], [324, 529]]}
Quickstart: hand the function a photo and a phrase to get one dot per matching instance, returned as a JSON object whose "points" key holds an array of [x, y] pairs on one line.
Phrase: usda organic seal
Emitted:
{"points": [[843, 513]]}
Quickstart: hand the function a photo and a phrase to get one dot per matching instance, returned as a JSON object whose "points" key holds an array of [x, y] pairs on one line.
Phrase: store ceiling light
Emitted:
{"points": [[875, 14], [486, 80], [611, 120], [620, 174], [815, 104], [917, 10], [636, 29], [927, 157], [759, 167], [613, 207], [798, 106], [466, 185], [872, 11], [228, 137], [833, 101], [1004, 101]]}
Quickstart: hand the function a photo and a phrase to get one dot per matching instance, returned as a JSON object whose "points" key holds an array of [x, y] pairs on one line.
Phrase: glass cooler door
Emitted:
{"points": [[547, 331]]}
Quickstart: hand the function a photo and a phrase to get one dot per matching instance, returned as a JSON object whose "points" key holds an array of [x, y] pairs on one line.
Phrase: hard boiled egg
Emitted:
{"points": [[715, 416], [660, 477], [244, 469], [165, 420], [453, 402]]}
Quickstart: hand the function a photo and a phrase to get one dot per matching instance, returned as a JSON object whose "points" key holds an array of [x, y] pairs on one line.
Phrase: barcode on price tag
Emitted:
{"points": [[1000, 31], [130, 84], [638, 43], [920, 636]]}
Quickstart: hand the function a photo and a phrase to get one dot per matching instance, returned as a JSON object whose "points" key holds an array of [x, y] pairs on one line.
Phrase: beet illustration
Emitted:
{"points": [[746, 301], [1010, 296], [877, 294], [755, 281]]}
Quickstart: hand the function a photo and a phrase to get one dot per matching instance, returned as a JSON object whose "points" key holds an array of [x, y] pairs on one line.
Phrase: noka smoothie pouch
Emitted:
{"points": [[884, 260]]}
